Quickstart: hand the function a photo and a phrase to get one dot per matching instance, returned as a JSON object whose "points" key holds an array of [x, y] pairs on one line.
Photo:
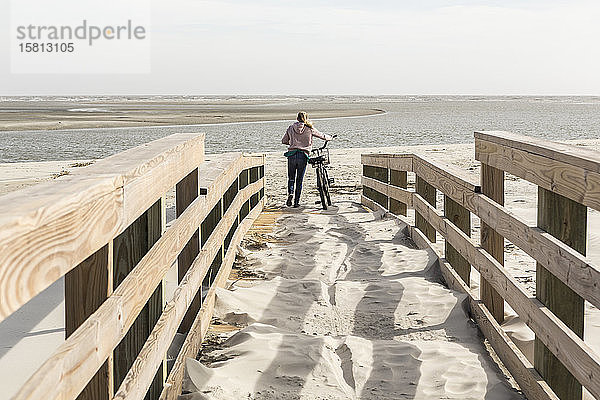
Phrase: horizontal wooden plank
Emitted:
{"points": [[571, 350], [532, 384], [575, 270], [529, 380], [80, 356], [140, 376], [215, 166], [401, 162], [375, 160], [133, 163], [402, 195], [47, 231], [445, 178], [375, 184], [447, 171], [398, 162], [368, 203], [211, 175], [149, 170], [157, 172], [585, 158], [571, 267], [572, 181], [254, 160], [397, 193], [201, 324]]}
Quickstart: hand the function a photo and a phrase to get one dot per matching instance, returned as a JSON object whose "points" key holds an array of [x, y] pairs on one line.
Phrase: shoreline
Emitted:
{"points": [[376, 112], [65, 117]]}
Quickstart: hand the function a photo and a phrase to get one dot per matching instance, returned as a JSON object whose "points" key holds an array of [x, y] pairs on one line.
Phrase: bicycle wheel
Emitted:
{"points": [[326, 186], [320, 187]]}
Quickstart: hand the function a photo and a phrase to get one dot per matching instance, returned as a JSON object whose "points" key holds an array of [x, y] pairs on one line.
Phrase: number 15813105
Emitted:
{"points": [[46, 47]]}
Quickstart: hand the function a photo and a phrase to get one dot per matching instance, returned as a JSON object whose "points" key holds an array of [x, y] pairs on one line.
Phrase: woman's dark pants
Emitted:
{"points": [[296, 168]]}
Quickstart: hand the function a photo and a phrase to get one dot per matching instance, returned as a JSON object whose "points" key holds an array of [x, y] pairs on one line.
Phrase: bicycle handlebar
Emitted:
{"points": [[327, 141]]}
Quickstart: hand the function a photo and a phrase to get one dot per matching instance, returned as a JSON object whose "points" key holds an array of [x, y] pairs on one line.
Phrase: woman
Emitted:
{"points": [[299, 138]]}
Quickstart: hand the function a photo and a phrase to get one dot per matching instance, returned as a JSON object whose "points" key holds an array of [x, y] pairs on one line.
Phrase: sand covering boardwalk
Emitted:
{"points": [[350, 309]]}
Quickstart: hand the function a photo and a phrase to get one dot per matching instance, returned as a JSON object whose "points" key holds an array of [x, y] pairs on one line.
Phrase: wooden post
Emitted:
{"points": [[244, 178], [206, 229], [460, 217], [254, 174], [129, 248], [87, 286], [566, 220], [492, 186], [428, 193], [186, 191], [382, 175], [398, 178]]}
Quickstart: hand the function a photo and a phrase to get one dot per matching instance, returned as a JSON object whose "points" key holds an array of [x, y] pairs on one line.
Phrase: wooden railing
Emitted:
{"points": [[104, 229], [568, 180]]}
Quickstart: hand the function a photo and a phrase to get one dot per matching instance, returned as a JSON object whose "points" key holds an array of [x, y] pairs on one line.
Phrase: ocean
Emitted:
{"points": [[409, 120]]}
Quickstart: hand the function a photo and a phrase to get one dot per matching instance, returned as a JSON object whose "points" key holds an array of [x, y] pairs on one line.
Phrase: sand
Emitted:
{"points": [[254, 306], [335, 326], [118, 112], [349, 310]]}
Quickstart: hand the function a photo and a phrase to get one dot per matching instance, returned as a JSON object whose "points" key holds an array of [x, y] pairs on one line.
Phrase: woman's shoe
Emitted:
{"points": [[296, 205], [289, 200]]}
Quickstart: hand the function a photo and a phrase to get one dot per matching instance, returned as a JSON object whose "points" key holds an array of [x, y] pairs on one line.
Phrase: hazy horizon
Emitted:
{"points": [[301, 95], [334, 47]]}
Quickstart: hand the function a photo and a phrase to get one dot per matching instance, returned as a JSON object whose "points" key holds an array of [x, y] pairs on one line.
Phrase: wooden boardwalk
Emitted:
{"points": [[349, 309], [354, 302]]}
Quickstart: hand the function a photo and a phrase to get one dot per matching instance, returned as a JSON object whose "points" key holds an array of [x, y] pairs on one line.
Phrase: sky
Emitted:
{"points": [[375, 47]]}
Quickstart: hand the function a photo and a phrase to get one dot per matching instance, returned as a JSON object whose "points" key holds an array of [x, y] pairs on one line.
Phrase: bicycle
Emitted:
{"points": [[319, 159]]}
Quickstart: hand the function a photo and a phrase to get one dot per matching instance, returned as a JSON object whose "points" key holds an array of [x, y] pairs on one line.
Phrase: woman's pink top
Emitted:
{"points": [[300, 137]]}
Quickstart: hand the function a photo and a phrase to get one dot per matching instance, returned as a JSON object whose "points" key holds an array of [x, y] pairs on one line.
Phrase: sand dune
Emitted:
{"points": [[349, 310]]}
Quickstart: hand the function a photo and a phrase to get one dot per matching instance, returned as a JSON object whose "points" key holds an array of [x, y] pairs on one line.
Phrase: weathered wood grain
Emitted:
{"points": [[186, 191], [47, 233], [80, 356], [397, 193], [398, 179], [129, 248], [570, 349], [574, 155], [572, 181], [533, 386], [567, 221], [445, 177], [197, 333], [86, 288], [48, 230], [570, 266], [213, 168], [492, 186], [460, 217], [401, 162], [140, 375], [149, 170], [429, 194], [375, 160]]}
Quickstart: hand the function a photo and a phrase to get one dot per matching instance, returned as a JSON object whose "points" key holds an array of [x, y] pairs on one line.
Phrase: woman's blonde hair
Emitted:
{"points": [[303, 117]]}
